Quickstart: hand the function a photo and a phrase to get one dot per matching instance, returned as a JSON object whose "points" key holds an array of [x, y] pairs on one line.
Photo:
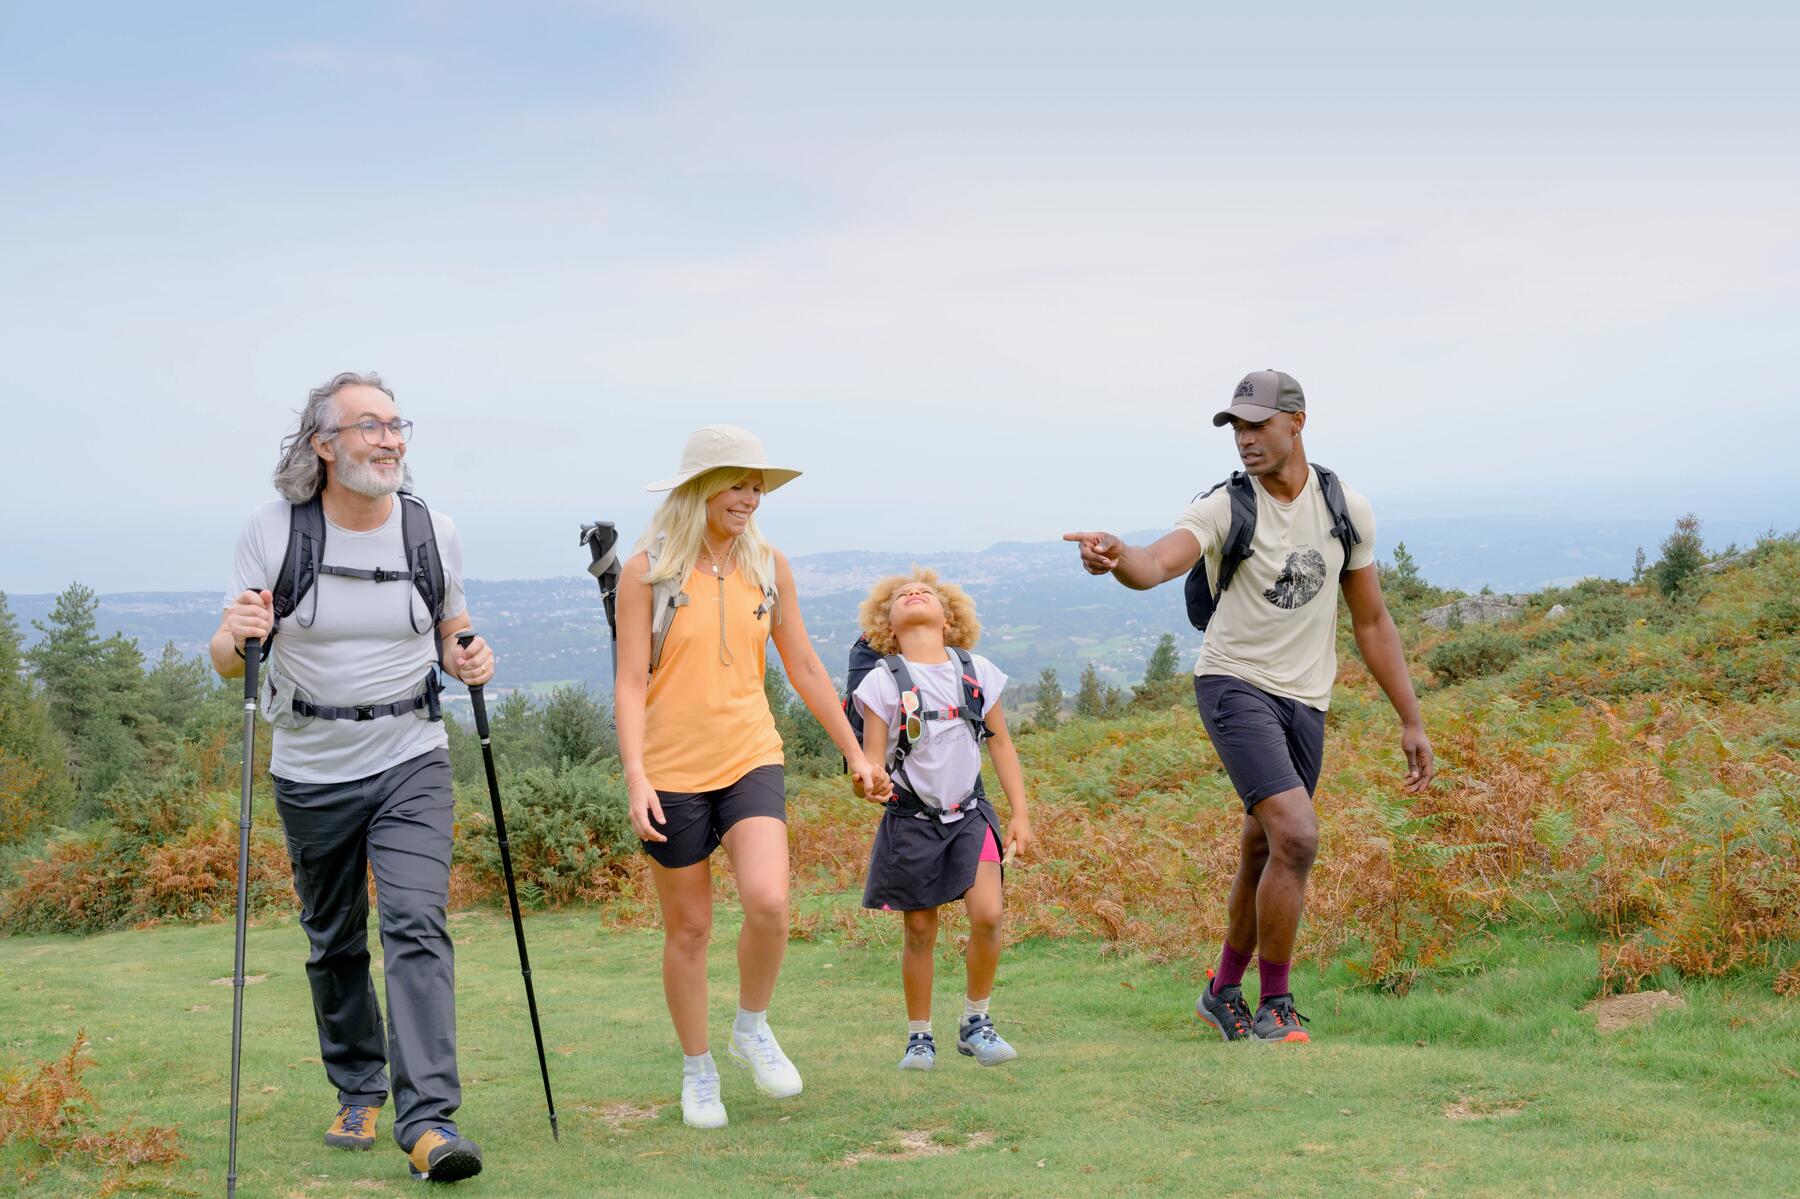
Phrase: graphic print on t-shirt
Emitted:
{"points": [[1300, 580]]}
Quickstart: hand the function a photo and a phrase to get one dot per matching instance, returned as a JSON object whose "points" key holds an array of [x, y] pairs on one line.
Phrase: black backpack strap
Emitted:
{"points": [[425, 566], [1342, 527], [974, 709], [1242, 531], [903, 683], [301, 561]]}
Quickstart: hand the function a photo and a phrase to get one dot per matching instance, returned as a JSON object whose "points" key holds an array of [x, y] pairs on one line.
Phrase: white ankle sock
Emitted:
{"points": [[750, 1022], [698, 1066], [975, 1007], [915, 1027]]}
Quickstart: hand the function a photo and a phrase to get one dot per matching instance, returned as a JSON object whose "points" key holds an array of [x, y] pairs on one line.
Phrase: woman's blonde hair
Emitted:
{"points": [[959, 611], [680, 522]]}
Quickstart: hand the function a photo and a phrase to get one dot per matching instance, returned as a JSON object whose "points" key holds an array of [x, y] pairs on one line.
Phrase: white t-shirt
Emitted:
{"points": [[945, 761], [358, 645], [1276, 625]]}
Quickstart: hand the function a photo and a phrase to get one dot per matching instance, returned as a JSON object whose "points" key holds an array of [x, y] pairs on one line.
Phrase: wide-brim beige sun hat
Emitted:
{"points": [[716, 446]]}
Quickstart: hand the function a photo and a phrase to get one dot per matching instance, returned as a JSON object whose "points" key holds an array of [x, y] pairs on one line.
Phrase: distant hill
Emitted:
{"points": [[1037, 608]]}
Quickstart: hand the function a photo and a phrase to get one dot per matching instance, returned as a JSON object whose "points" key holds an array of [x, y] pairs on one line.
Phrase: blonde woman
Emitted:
{"points": [[698, 602]]}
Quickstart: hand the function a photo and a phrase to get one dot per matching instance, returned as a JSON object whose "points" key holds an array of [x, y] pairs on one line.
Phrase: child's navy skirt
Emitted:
{"points": [[918, 862]]}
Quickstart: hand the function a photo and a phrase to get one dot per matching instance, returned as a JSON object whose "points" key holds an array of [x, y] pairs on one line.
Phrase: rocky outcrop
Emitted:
{"points": [[1477, 609]]}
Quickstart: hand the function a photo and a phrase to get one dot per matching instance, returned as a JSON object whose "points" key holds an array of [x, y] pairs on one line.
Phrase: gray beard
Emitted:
{"points": [[362, 478]]}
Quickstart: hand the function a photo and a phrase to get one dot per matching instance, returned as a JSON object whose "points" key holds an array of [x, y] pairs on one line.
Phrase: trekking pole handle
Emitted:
{"points": [[252, 659], [481, 724]]}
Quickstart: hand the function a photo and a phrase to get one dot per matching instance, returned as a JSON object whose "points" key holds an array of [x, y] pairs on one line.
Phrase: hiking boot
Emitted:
{"points": [[921, 1052], [440, 1155], [976, 1038], [700, 1103], [1276, 1020], [775, 1075], [1226, 1011], [354, 1127]]}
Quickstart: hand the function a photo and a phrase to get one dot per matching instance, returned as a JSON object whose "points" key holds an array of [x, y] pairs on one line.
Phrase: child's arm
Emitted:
{"points": [[875, 749], [1012, 781]]}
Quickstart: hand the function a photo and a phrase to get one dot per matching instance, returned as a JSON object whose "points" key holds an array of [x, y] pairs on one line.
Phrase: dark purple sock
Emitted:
{"points": [[1232, 965], [1274, 977]]}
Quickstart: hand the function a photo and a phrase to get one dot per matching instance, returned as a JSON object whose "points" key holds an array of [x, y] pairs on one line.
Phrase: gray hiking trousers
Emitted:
{"points": [[397, 822]]}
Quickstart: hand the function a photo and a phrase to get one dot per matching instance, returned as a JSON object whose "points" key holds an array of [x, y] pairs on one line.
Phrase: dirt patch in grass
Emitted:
{"points": [[1623, 1011], [1467, 1108], [622, 1112], [910, 1143]]}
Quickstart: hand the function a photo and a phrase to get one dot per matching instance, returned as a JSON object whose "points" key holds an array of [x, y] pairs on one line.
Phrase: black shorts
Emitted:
{"points": [[1267, 743], [696, 821]]}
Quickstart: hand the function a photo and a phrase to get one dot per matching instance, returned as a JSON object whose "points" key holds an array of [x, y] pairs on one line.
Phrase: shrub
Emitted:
{"points": [[1473, 654], [569, 834]]}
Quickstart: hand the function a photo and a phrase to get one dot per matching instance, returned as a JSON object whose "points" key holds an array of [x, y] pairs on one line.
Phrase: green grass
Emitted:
{"points": [[1118, 1091]]}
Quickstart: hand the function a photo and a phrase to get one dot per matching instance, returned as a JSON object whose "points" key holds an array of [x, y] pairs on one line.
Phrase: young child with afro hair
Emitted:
{"points": [[939, 840]]}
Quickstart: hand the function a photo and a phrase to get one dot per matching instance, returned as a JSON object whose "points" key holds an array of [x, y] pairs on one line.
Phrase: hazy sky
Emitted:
{"points": [[981, 277]]}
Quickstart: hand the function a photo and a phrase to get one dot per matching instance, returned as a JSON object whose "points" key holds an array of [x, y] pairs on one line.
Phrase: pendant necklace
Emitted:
{"points": [[724, 649]]}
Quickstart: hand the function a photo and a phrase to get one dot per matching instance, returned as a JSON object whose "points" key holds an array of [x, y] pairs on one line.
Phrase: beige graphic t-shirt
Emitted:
{"points": [[1276, 625]]}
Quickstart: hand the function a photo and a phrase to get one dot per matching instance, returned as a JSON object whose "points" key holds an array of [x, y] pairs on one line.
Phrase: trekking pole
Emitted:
{"points": [[512, 893], [602, 540], [252, 659]]}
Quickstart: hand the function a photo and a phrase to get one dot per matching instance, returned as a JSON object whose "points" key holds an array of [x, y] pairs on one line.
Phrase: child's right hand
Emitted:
{"points": [[644, 805]]}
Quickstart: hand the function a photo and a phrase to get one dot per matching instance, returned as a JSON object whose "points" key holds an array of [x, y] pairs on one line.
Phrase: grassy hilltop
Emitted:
{"points": [[1616, 811]]}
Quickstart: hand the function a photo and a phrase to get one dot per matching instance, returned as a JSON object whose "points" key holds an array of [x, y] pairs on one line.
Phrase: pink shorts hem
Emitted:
{"points": [[990, 849]]}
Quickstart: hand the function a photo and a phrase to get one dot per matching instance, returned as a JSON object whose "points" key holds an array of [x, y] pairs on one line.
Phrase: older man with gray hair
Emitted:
{"points": [[355, 590]]}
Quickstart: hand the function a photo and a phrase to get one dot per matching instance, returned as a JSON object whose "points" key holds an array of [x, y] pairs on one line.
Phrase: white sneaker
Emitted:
{"points": [[700, 1104], [775, 1075]]}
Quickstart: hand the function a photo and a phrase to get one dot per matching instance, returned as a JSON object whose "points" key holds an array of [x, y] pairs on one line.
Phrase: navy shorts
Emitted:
{"points": [[695, 822], [1267, 743]]}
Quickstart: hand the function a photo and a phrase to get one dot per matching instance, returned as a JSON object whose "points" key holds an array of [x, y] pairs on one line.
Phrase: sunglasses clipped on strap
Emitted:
{"points": [[909, 704]]}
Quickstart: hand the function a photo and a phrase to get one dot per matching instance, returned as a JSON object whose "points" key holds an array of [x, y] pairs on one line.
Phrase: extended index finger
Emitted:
{"points": [[1081, 536]]}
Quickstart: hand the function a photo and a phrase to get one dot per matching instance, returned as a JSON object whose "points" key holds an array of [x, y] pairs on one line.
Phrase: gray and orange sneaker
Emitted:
{"points": [[440, 1155], [1226, 1011], [1277, 1021], [354, 1127]]}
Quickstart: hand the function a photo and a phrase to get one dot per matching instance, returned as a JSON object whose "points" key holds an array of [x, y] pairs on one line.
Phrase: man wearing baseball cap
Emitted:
{"points": [[1266, 669]]}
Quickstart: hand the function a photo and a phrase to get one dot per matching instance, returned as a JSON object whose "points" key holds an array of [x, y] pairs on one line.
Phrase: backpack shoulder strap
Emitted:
{"points": [[1242, 532], [665, 598], [1338, 508], [300, 561], [423, 560], [974, 704], [903, 683]]}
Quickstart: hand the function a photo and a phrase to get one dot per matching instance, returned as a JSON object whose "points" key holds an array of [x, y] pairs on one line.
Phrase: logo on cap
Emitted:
{"points": [[1244, 389]]}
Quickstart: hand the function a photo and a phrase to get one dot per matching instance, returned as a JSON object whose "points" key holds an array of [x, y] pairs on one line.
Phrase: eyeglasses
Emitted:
{"points": [[909, 704], [371, 429]]}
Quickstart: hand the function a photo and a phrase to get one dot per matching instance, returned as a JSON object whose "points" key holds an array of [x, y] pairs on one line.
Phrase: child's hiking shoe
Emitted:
{"points": [[700, 1103], [440, 1155], [1276, 1020], [921, 1052], [1226, 1011], [976, 1038], [354, 1127], [775, 1075]]}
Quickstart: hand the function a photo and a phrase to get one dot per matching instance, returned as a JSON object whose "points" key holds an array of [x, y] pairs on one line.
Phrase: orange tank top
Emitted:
{"points": [[706, 720]]}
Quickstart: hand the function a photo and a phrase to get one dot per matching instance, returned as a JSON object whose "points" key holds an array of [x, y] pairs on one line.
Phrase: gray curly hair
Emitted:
{"points": [[300, 472]]}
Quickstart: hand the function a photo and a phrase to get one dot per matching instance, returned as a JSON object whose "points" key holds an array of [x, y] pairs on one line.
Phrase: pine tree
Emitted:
{"points": [[575, 728], [1164, 661], [1049, 701], [67, 660], [1682, 557], [34, 782], [1090, 696]]}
